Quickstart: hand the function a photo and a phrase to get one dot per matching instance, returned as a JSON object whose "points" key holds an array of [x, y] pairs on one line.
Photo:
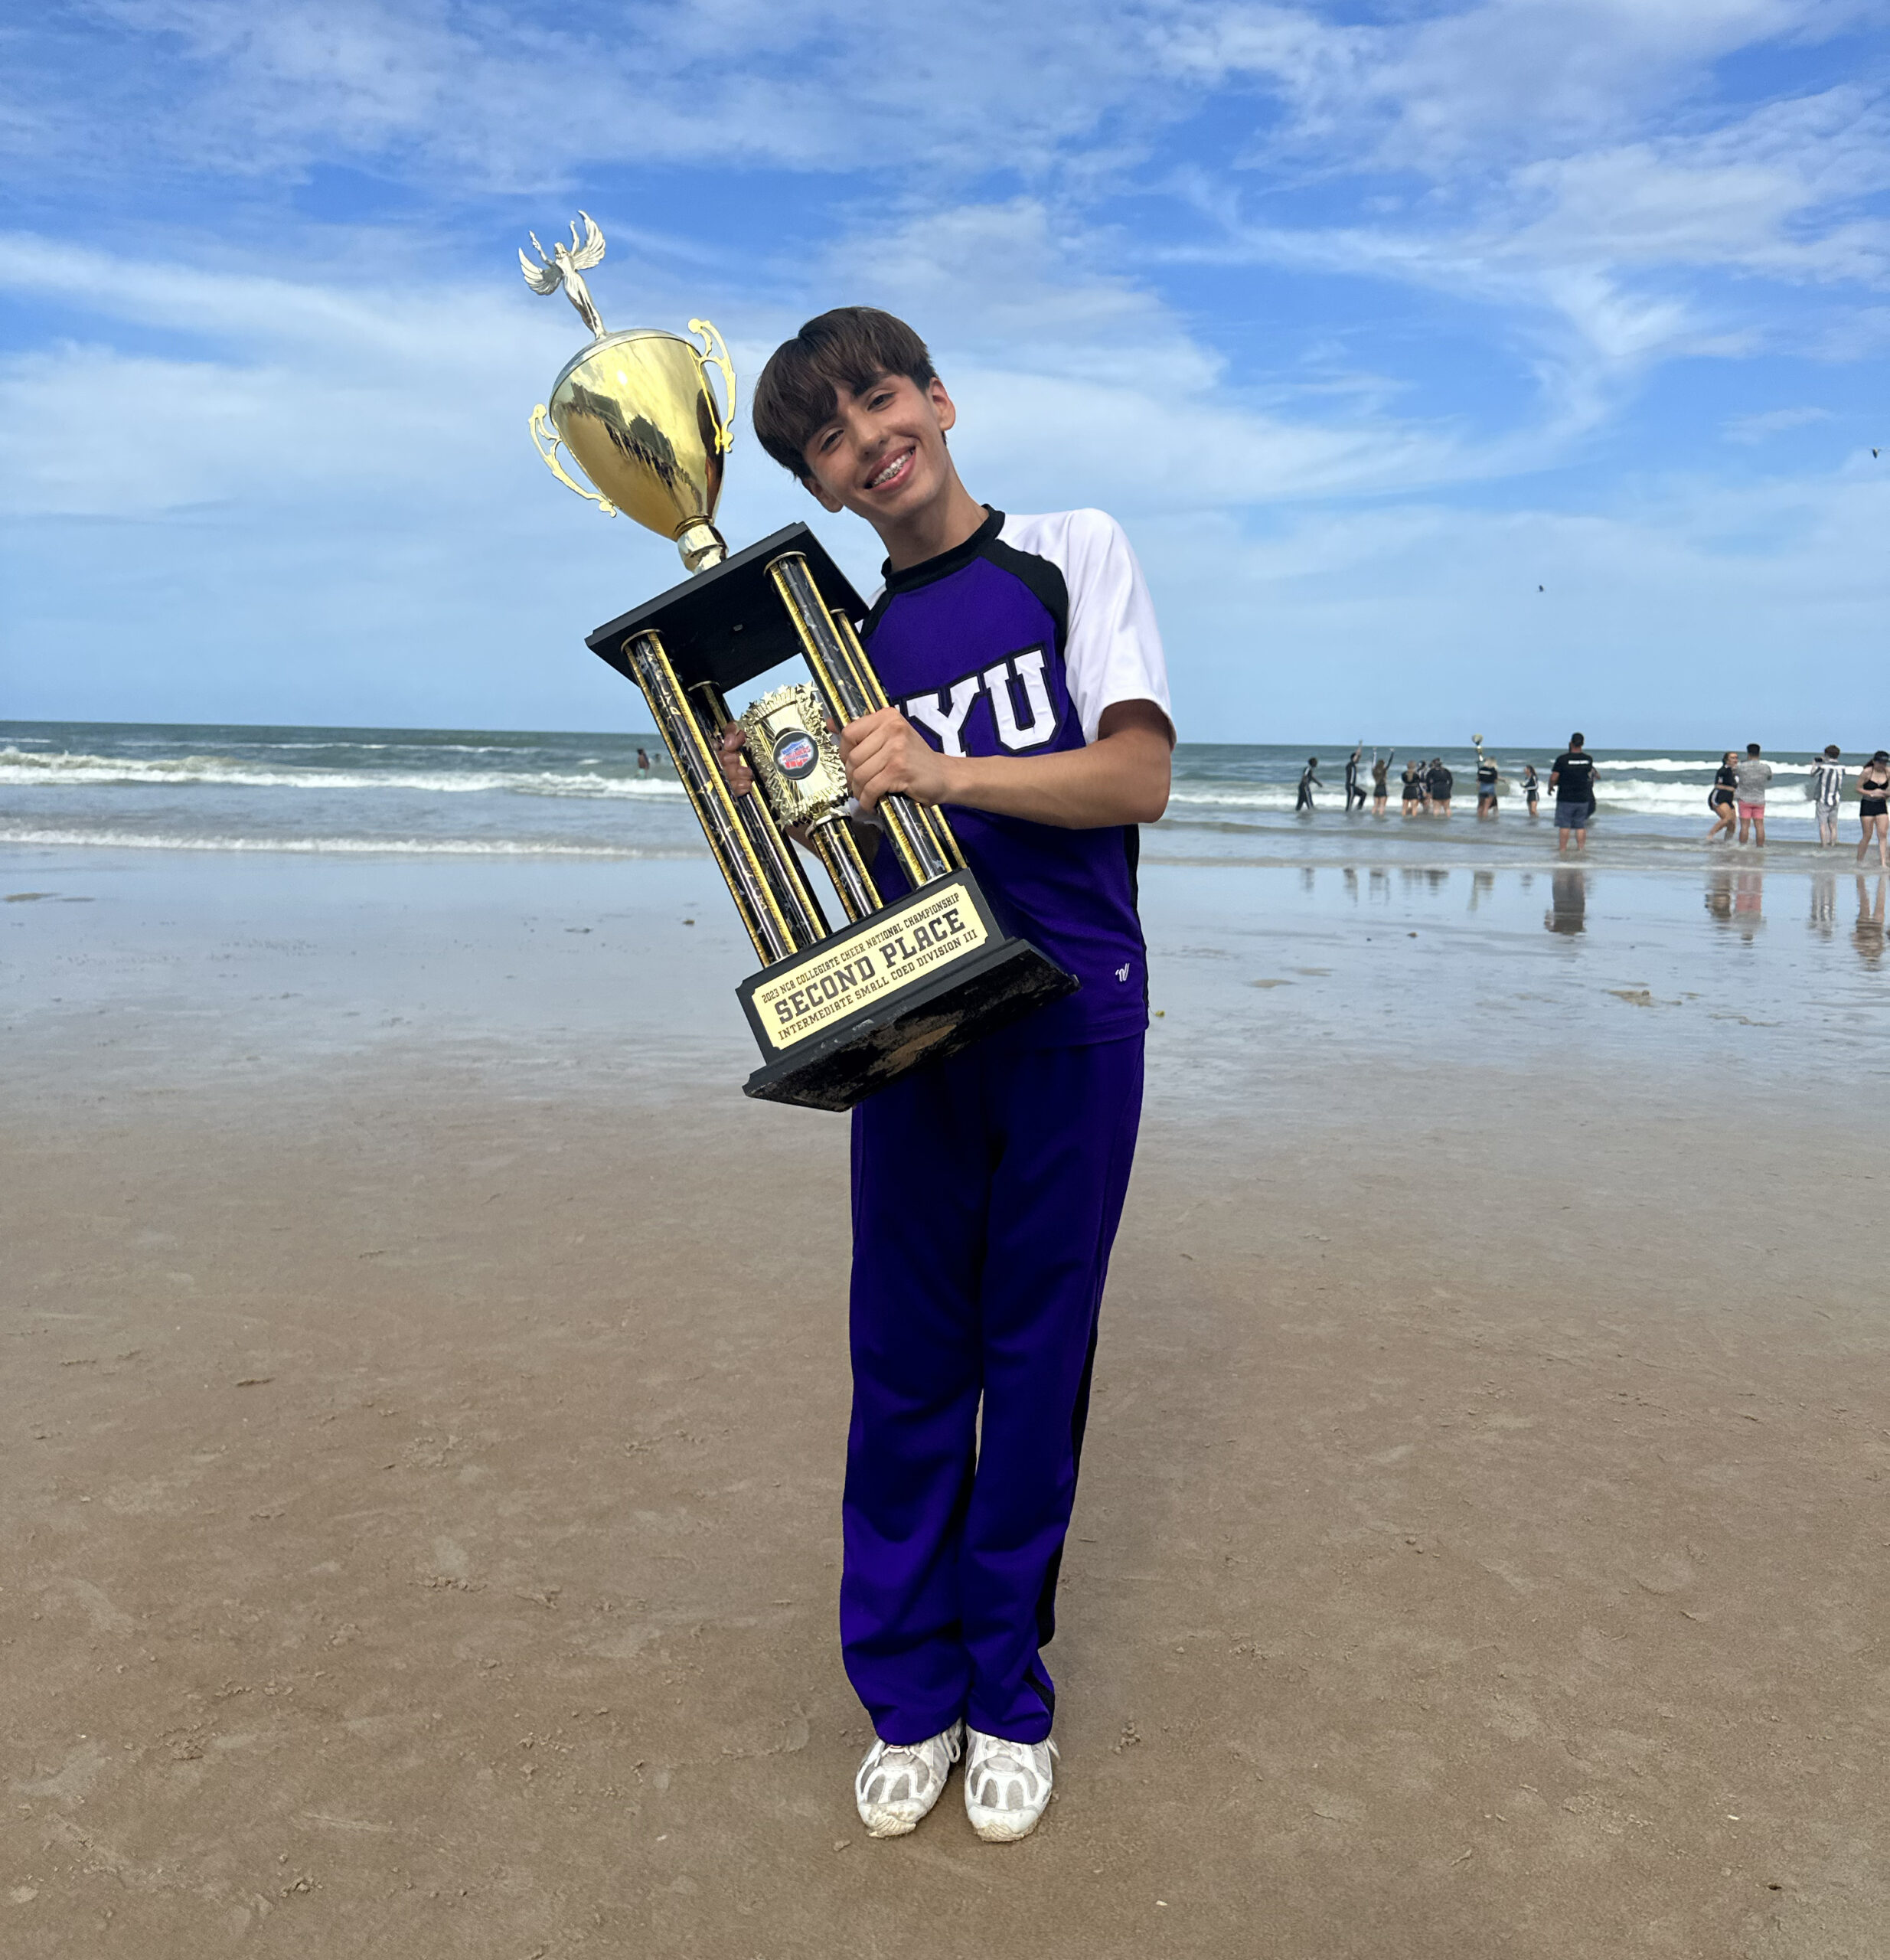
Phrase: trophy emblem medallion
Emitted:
{"points": [[835, 1014]]}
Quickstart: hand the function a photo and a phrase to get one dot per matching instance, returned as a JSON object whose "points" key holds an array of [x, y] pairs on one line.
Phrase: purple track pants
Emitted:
{"points": [[986, 1194]]}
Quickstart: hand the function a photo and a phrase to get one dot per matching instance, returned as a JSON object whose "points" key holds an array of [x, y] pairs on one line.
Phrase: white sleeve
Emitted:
{"points": [[1114, 652]]}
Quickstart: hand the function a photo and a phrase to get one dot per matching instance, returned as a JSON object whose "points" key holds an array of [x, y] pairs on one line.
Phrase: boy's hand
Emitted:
{"points": [[885, 756], [734, 763]]}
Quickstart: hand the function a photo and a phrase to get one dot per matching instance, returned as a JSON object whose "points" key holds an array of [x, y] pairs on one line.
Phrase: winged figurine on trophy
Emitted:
{"points": [[566, 267]]}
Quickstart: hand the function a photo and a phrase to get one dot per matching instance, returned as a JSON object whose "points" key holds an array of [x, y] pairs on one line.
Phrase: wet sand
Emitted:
{"points": [[421, 1522]]}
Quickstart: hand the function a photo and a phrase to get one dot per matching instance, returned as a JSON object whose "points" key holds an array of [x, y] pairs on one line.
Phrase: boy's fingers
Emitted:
{"points": [[740, 778], [866, 728]]}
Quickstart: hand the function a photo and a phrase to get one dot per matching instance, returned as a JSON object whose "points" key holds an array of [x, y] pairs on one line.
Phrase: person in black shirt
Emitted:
{"points": [[1532, 785], [1439, 781], [1571, 777], [1486, 785], [1721, 798], [1414, 790], [1381, 786], [1354, 795], [1308, 782]]}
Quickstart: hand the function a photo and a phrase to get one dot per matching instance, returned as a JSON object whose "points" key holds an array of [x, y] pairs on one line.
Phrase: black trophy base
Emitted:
{"points": [[910, 983], [1002, 982]]}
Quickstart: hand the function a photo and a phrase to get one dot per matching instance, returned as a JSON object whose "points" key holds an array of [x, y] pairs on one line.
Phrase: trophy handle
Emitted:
{"points": [[544, 439], [717, 351]]}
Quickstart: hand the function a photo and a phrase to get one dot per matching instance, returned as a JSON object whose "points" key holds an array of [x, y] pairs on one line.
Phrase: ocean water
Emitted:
{"points": [[300, 891], [417, 791]]}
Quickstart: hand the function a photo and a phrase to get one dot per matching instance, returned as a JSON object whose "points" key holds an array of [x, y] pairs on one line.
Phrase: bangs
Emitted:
{"points": [[850, 348]]}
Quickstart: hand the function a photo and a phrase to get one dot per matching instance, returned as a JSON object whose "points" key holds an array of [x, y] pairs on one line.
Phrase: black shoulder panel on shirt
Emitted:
{"points": [[1045, 581], [929, 571]]}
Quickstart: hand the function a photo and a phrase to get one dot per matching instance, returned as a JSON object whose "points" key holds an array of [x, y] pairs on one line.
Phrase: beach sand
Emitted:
{"points": [[422, 1514]]}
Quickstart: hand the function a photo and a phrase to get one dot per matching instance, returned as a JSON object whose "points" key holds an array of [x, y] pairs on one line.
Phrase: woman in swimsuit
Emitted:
{"points": [[1722, 798], [1532, 787], [1380, 786], [1873, 806], [1414, 789]]}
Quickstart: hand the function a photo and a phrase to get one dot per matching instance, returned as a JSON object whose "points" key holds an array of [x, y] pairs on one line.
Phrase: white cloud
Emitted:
{"points": [[1491, 83], [1772, 422], [514, 99], [1077, 385]]}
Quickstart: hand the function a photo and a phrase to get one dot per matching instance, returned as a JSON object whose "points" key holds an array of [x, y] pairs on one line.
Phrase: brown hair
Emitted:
{"points": [[851, 348]]}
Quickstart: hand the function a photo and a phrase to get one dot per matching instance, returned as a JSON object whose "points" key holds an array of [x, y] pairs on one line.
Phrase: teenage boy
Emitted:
{"points": [[1031, 701]]}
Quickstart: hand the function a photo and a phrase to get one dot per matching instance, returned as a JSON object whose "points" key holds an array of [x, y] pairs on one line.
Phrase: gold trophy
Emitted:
{"points": [[837, 1014]]}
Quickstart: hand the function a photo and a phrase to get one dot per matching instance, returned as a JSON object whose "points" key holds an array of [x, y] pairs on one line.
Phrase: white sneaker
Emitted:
{"points": [[899, 1782], [1006, 1785]]}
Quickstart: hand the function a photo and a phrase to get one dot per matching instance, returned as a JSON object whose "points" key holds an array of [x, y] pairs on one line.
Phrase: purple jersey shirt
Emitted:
{"points": [[974, 646]]}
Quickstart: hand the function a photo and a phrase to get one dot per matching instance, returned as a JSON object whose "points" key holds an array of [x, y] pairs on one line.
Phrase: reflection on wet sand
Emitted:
{"points": [[1868, 933], [1824, 904], [1737, 898], [1568, 904]]}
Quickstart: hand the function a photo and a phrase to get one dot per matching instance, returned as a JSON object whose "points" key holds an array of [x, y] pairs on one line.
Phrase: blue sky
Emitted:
{"points": [[1367, 321]]}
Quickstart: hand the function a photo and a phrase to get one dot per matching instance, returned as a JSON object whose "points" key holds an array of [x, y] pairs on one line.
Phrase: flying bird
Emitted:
{"points": [[565, 267], [1542, 588], [1875, 452]]}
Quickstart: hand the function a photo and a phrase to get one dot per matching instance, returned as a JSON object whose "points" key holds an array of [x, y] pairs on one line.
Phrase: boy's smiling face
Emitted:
{"points": [[882, 453]]}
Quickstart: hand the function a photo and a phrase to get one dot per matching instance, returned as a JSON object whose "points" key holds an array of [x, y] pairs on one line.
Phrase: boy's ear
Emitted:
{"points": [[942, 403], [832, 505]]}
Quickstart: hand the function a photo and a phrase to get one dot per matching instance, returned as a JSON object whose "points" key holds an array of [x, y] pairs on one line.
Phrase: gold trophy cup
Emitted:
{"points": [[837, 1014]]}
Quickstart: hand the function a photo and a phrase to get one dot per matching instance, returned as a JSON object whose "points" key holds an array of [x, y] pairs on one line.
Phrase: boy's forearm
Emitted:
{"points": [[1123, 778]]}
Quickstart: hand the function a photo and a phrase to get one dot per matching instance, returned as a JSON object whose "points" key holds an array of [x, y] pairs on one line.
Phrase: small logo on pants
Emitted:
{"points": [[1121, 973]]}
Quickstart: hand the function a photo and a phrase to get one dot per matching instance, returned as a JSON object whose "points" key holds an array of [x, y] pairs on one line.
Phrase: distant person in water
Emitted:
{"points": [[1414, 790], [1308, 782], [1439, 782], [1571, 777], [1873, 807], [1827, 785], [1381, 785], [1486, 787], [1532, 785], [643, 762], [1354, 790], [1752, 775], [1722, 798]]}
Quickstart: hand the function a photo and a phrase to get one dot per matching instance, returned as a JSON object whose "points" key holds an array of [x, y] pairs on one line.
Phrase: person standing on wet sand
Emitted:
{"points": [[1873, 807], [974, 1311], [1722, 798], [1753, 774], [1827, 785], [1571, 777], [1308, 782]]}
